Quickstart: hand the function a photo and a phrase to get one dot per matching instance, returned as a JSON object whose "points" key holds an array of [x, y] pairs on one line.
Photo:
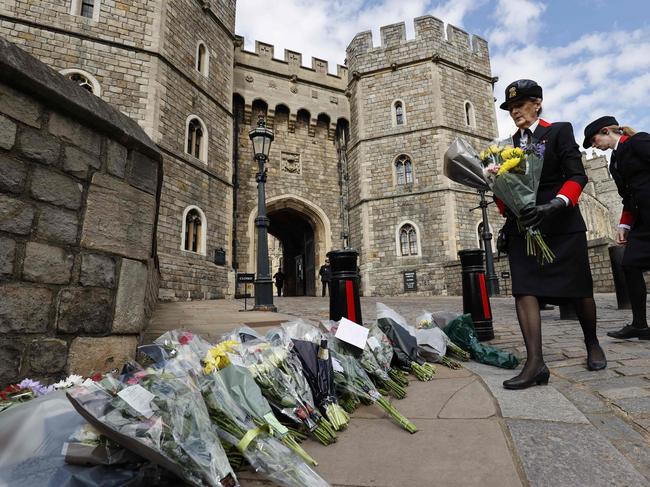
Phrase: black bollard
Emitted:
{"points": [[475, 297], [344, 286], [620, 286]]}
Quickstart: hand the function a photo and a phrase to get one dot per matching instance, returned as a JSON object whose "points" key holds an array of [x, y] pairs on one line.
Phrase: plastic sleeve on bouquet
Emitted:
{"points": [[177, 435]]}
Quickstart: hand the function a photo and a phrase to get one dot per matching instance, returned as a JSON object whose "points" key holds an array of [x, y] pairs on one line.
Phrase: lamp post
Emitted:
{"points": [[262, 138], [490, 275]]}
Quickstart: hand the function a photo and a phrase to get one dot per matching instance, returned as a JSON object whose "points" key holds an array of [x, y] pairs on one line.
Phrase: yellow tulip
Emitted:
{"points": [[517, 152], [494, 149], [507, 153]]}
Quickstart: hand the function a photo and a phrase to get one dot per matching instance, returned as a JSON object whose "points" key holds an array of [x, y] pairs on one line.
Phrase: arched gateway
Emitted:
{"points": [[305, 233]]}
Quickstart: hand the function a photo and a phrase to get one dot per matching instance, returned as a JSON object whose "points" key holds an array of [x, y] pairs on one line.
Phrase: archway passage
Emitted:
{"points": [[296, 233]]}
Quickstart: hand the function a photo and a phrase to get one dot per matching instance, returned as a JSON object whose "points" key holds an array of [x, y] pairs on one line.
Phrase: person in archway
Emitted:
{"points": [[325, 273], [278, 277]]}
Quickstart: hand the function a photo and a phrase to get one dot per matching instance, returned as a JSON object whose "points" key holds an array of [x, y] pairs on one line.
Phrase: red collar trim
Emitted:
{"points": [[544, 123], [623, 139]]}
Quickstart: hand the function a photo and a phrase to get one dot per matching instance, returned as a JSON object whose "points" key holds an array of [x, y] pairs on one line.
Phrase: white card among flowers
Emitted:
{"points": [[352, 333]]}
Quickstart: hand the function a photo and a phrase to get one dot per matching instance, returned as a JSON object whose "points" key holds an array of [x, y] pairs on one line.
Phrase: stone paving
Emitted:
{"points": [[585, 428]]}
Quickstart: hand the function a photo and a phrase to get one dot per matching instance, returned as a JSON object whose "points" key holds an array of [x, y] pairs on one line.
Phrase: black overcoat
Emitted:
{"points": [[569, 276], [630, 168]]}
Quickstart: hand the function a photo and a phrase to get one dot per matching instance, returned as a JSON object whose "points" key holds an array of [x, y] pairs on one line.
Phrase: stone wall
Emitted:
{"points": [[142, 56], [79, 190]]}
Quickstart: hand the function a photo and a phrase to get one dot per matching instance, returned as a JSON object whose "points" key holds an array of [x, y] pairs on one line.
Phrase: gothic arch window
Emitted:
{"points": [[202, 62], [408, 240], [86, 8], [196, 138], [470, 119], [403, 170], [194, 230], [86, 80], [399, 113]]}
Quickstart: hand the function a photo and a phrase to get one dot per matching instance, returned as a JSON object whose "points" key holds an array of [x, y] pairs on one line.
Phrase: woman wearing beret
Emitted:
{"points": [[568, 278], [630, 168]]}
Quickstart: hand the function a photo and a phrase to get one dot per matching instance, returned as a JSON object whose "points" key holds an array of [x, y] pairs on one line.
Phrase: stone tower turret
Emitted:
{"points": [[408, 100]]}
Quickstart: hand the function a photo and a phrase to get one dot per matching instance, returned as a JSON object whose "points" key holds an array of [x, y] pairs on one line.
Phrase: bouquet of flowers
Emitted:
{"points": [[257, 444], [187, 350], [405, 345], [280, 377], [159, 414], [513, 174], [350, 376]]}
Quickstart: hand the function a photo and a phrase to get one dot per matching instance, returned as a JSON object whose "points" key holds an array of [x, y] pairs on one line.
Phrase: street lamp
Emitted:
{"points": [[486, 236], [262, 138]]}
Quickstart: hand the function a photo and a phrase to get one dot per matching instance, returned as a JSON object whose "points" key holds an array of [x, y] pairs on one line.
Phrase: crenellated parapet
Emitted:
{"points": [[433, 41], [263, 58]]}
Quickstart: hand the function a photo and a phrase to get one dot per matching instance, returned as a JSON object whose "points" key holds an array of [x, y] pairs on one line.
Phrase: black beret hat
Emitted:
{"points": [[596, 126], [521, 89]]}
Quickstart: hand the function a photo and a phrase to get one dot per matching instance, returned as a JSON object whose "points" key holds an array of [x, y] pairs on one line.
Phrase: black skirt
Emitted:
{"points": [[637, 250], [567, 278]]}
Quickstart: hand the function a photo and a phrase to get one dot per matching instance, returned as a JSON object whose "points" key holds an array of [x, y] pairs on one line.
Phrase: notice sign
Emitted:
{"points": [[410, 281], [349, 332], [245, 277]]}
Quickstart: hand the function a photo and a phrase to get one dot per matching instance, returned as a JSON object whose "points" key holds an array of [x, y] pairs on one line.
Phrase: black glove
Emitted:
{"points": [[531, 217]]}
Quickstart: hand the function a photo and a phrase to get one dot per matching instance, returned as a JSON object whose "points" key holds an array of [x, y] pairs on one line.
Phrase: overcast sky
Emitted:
{"points": [[592, 57]]}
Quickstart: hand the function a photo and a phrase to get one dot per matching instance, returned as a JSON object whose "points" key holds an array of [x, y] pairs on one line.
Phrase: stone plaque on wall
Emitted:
{"points": [[291, 163]]}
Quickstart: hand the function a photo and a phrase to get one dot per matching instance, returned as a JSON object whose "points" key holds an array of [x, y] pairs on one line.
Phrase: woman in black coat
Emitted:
{"points": [[630, 168], [568, 278]]}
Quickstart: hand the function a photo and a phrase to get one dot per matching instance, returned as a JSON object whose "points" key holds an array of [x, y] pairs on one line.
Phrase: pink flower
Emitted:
{"points": [[132, 381], [186, 338]]}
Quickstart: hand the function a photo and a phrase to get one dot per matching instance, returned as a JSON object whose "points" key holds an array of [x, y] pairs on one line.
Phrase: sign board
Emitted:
{"points": [[505, 275], [410, 281], [245, 278]]}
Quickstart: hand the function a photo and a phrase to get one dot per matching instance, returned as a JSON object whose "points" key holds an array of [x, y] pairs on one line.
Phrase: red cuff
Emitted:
{"points": [[627, 218], [501, 205], [571, 190]]}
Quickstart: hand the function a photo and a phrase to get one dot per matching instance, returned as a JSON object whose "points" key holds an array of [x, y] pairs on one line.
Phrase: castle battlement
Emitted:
{"points": [[264, 58], [432, 39]]}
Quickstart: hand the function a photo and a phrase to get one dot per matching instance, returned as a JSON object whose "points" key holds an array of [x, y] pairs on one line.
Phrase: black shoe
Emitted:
{"points": [[596, 364], [629, 331], [541, 378]]}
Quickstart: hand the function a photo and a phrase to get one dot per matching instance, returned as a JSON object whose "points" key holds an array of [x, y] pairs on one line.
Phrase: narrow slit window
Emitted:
{"points": [[195, 138], [193, 231], [399, 113]]}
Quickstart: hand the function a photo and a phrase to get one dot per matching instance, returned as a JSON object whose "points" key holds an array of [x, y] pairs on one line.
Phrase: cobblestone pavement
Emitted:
{"points": [[616, 401], [584, 429]]}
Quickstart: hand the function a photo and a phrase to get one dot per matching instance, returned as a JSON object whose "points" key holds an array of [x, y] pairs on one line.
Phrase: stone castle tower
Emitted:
{"points": [[408, 100], [357, 155]]}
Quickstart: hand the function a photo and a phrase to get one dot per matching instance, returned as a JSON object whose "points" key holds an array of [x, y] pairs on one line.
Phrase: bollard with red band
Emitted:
{"points": [[475, 296], [344, 286]]}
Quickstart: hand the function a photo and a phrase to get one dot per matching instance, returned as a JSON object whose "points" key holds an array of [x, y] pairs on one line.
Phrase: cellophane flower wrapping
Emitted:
{"points": [[310, 345], [513, 174], [263, 452], [350, 376], [170, 421]]}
